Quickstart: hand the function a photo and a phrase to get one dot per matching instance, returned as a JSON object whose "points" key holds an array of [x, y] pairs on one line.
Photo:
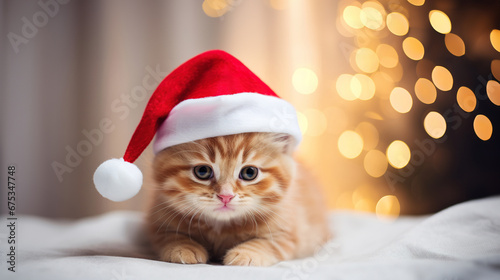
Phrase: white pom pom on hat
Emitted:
{"points": [[212, 94], [118, 180]]}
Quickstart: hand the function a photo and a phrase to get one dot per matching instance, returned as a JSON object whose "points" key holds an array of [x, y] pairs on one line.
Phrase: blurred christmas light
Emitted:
{"points": [[416, 2], [367, 60], [303, 123], [387, 55], [375, 163], [369, 134], [495, 39], [363, 87], [351, 16], [435, 125], [466, 99], [397, 23], [442, 78], [440, 21], [343, 86], [425, 91], [388, 208], [401, 100], [396, 72], [305, 81], [362, 198], [413, 48], [379, 71], [364, 205], [483, 127], [279, 4], [316, 122], [493, 91], [495, 68], [398, 154], [215, 8], [454, 44], [371, 17], [350, 144]]}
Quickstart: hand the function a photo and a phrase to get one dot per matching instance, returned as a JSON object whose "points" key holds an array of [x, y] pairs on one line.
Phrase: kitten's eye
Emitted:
{"points": [[203, 172], [249, 173]]}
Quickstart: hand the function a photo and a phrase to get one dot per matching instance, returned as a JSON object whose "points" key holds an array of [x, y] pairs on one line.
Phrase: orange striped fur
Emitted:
{"points": [[279, 215]]}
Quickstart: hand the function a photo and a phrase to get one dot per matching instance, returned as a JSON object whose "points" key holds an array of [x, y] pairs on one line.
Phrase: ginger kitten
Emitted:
{"points": [[239, 199]]}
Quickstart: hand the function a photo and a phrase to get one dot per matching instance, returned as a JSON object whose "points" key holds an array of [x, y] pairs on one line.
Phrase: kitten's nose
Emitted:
{"points": [[225, 198]]}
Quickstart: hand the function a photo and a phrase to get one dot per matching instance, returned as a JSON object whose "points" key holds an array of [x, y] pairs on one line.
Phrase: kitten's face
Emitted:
{"points": [[226, 178]]}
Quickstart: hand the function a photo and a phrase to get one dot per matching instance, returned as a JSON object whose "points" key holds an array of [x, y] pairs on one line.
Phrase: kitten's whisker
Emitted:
{"points": [[178, 212], [261, 215], [182, 219], [274, 216], [191, 220], [199, 228], [172, 208], [165, 204]]}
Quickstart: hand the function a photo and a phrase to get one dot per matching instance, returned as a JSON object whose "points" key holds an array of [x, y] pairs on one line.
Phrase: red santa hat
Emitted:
{"points": [[212, 94]]}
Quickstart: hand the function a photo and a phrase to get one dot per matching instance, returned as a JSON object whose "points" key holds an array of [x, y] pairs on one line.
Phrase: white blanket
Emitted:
{"points": [[461, 242]]}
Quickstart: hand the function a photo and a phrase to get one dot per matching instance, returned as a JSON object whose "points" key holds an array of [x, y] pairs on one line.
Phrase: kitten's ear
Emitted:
{"points": [[285, 141]]}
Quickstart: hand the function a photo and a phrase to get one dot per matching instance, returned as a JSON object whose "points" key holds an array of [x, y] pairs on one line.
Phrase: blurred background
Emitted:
{"points": [[397, 99]]}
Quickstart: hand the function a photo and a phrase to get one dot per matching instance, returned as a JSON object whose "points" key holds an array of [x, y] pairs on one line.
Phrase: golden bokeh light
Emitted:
{"points": [[366, 60], [371, 18], [397, 23], [440, 21], [442, 78], [495, 39], [362, 86], [350, 144], [495, 68], [493, 91], [398, 154], [425, 91], [483, 127], [369, 134], [351, 16], [215, 8], [305, 81], [387, 55], [375, 163], [302, 120], [343, 86], [416, 2], [279, 4], [362, 198], [401, 100], [413, 48], [364, 205], [316, 122], [388, 208], [435, 125], [454, 44], [466, 99]]}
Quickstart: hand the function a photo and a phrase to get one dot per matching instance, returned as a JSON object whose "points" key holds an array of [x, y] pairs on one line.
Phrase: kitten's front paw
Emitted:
{"points": [[246, 257], [185, 254]]}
